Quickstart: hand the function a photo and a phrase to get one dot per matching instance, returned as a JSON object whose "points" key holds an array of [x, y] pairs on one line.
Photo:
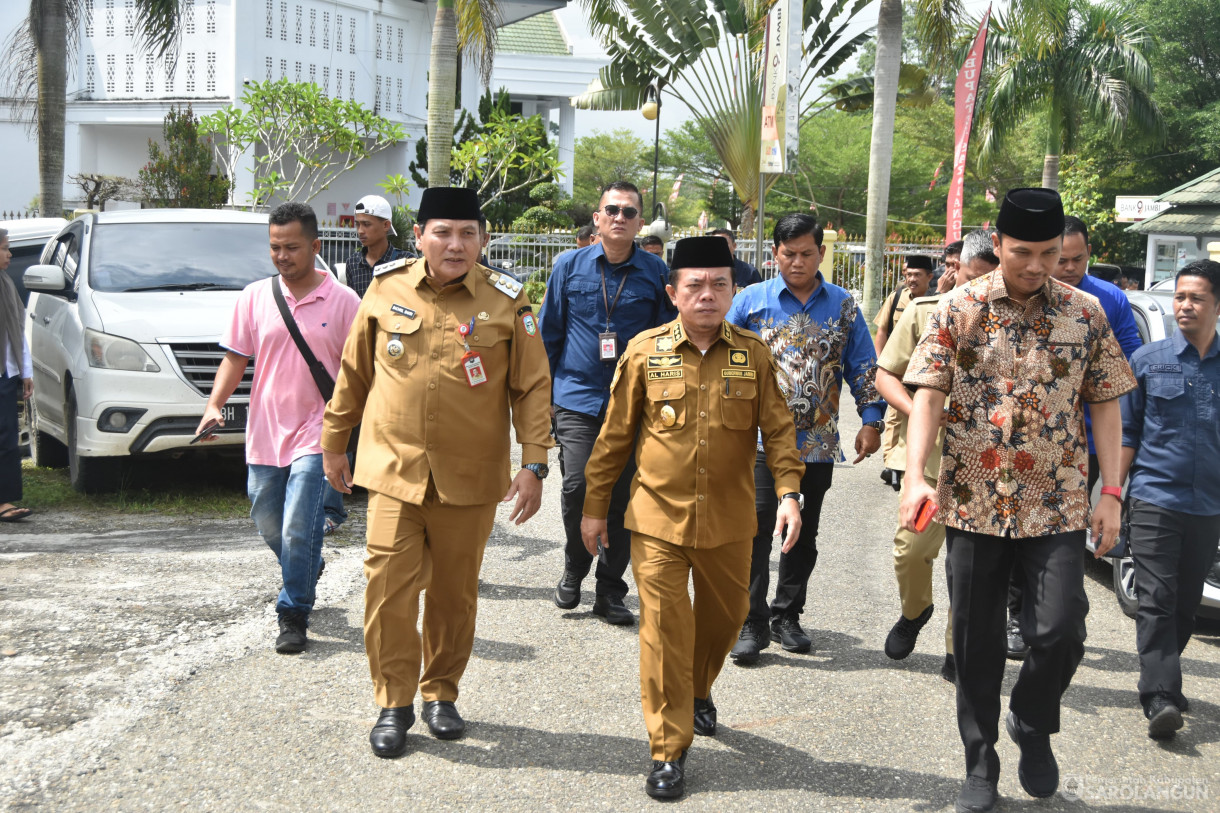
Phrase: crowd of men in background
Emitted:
{"points": [[675, 391]]}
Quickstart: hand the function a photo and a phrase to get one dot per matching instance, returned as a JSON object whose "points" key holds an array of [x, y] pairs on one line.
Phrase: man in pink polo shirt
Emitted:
{"points": [[284, 432]]}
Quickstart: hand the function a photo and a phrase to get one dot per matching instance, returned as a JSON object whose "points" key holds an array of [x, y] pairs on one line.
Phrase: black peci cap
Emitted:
{"points": [[701, 252], [1032, 214], [919, 261], [448, 203]]}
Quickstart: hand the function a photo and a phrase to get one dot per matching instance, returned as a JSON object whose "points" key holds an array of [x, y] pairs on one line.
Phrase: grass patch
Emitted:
{"points": [[184, 487]]}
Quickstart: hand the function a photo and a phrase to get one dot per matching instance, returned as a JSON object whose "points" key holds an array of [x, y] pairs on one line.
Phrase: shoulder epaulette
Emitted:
{"points": [[393, 265]]}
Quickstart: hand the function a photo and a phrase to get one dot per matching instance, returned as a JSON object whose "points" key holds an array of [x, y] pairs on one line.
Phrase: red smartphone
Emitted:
{"points": [[926, 512]]}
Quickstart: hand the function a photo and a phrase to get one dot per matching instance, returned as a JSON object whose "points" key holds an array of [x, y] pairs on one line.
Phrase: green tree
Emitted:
{"points": [[180, 174], [301, 138], [509, 154], [1078, 62], [545, 214], [36, 72], [604, 157]]}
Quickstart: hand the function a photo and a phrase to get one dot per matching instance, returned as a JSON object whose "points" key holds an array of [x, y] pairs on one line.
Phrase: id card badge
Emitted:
{"points": [[472, 363], [609, 345]]}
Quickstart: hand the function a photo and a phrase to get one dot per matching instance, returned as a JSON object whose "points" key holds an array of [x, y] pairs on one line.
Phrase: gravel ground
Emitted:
{"points": [[137, 673]]}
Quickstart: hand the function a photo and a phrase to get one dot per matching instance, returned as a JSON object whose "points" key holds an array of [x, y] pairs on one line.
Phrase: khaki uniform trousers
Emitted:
{"points": [[682, 649], [913, 557], [433, 547]]}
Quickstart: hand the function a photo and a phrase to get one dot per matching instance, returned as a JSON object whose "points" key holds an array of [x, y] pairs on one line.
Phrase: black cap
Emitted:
{"points": [[1032, 214], [919, 261], [449, 203], [701, 252]]}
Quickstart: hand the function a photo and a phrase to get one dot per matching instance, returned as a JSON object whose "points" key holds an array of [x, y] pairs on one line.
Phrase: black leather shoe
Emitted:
{"points": [[443, 719], [786, 631], [389, 734], [1037, 770], [905, 632], [613, 610], [291, 639], [1017, 648], [667, 780], [567, 594], [753, 639], [948, 669], [1164, 718], [705, 717], [978, 796]]}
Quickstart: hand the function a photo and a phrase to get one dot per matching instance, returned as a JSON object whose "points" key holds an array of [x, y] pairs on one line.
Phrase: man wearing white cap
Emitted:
{"points": [[374, 227]]}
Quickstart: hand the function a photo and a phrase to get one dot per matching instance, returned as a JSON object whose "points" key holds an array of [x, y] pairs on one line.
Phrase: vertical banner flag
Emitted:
{"points": [[781, 89], [965, 92]]}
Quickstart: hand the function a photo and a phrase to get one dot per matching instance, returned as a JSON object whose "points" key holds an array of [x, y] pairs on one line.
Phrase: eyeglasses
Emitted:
{"points": [[629, 212]]}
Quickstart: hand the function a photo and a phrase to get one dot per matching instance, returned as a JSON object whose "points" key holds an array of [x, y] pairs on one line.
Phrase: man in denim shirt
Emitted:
{"points": [[1171, 442], [597, 300], [819, 337]]}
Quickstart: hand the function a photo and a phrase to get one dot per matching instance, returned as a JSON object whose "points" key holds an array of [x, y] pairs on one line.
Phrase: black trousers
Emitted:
{"points": [[576, 433], [10, 455], [795, 566], [1172, 553], [1052, 622]]}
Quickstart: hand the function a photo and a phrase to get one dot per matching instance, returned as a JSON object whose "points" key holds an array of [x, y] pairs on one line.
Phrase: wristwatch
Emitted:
{"points": [[878, 425], [540, 470], [795, 495]]}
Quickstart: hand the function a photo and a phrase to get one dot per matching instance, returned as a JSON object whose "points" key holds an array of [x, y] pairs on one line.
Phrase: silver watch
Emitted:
{"points": [[798, 496]]}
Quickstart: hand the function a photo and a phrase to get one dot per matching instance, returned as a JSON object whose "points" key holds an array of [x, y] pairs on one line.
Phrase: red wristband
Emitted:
{"points": [[1113, 491]]}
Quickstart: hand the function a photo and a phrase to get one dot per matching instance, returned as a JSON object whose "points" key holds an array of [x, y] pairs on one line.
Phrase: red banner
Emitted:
{"points": [[965, 93]]}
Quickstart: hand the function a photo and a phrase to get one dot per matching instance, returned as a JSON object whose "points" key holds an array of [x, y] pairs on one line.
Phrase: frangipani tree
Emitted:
{"points": [[708, 55]]}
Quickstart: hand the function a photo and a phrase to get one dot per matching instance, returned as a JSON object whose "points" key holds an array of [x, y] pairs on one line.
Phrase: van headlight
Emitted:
{"points": [[108, 352]]}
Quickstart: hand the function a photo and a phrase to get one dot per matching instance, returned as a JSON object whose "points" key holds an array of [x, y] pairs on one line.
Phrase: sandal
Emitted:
{"points": [[14, 514]]}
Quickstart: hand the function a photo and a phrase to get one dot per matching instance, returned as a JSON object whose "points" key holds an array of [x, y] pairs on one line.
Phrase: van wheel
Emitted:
{"points": [[45, 450], [88, 475], [1124, 585]]}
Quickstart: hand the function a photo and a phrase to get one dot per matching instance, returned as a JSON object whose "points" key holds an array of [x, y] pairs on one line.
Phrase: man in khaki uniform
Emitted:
{"points": [[696, 391], [440, 350], [915, 551]]}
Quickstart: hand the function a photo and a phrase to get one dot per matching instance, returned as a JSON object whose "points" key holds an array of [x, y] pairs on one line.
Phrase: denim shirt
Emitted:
{"points": [[573, 314], [1171, 421], [816, 345], [1118, 310]]}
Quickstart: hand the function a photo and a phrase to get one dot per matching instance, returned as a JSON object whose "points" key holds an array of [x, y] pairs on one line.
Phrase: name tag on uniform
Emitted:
{"points": [[731, 373], [609, 346], [403, 311]]}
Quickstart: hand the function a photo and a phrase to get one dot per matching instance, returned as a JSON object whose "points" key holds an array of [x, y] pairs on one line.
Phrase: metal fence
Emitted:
{"points": [[849, 263]]}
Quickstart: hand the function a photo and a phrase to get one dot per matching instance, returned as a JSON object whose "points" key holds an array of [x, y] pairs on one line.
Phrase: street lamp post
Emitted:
{"points": [[652, 111]]}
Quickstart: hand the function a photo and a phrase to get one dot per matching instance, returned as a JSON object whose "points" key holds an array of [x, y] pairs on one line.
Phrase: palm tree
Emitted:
{"points": [[709, 56], [36, 72], [460, 25], [1074, 60]]}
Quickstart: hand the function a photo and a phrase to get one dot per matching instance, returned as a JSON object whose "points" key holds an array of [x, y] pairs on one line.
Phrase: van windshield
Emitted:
{"points": [[178, 256]]}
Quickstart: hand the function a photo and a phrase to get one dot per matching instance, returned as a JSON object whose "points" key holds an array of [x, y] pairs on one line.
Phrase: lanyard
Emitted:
{"points": [[601, 264]]}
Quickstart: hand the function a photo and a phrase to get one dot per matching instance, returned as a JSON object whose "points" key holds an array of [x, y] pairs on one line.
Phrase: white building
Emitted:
{"points": [[372, 51]]}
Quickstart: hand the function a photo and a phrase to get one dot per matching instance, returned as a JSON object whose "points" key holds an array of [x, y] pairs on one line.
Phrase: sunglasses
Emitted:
{"points": [[629, 212]]}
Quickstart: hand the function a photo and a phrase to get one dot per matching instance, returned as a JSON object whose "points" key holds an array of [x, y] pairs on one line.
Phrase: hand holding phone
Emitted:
{"points": [[926, 512], [209, 429]]}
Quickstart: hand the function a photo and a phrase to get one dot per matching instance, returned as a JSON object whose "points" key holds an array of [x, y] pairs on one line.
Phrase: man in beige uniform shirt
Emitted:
{"points": [[440, 350], [696, 391]]}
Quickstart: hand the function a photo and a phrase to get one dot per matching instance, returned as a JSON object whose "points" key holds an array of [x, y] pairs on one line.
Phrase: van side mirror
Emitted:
{"points": [[49, 278]]}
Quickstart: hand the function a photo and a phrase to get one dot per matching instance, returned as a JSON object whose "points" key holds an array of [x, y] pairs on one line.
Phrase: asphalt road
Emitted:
{"points": [[137, 673]]}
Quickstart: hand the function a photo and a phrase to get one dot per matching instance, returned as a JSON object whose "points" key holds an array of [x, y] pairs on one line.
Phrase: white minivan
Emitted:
{"points": [[126, 311]]}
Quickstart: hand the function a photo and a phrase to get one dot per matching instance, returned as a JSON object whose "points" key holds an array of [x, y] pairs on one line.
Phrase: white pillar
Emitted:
{"points": [[567, 144]]}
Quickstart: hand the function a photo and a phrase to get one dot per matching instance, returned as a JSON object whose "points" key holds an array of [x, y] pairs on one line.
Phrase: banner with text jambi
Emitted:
{"points": [[781, 94], [966, 92]]}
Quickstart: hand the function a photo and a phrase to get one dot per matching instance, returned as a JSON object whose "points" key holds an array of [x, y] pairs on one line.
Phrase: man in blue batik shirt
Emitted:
{"points": [[818, 337], [598, 298], [1171, 444]]}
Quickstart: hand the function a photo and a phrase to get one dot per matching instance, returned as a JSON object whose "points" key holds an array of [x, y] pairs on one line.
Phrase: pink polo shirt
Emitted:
{"points": [[285, 406]]}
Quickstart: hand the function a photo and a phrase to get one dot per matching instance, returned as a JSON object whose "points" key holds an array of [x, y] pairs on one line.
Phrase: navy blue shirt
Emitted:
{"points": [[573, 314], [1118, 311], [1171, 421], [745, 274]]}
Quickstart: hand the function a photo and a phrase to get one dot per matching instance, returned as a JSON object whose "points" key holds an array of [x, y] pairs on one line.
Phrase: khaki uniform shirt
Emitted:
{"points": [[697, 417], [882, 319], [421, 417], [894, 359], [1015, 458]]}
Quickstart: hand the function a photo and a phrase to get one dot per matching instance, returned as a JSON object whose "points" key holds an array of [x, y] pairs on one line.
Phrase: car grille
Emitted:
{"points": [[198, 363]]}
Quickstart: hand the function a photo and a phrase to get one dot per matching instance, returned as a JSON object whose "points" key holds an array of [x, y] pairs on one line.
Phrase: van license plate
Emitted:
{"points": [[234, 416]]}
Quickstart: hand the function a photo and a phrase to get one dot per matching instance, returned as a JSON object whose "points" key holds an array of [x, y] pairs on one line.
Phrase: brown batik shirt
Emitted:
{"points": [[1015, 457]]}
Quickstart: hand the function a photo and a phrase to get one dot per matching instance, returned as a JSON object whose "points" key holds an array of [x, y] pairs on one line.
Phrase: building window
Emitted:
{"points": [[109, 18], [351, 35], [90, 71], [131, 74], [211, 71], [339, 33], [400, 46], [89, 18], [351, 85], [386, 97], [297, 74], [270, 19], [188, 17], [398, 90], [170, 68], [299, 12], [283, 68], [211, 16], [110, 74], [190, 73], [313, 28], [377, 95], [284, 20], [148, 74], [129, 18], [379, 27], [326, 30], [313, 74], [269, 69], [326, 80]]}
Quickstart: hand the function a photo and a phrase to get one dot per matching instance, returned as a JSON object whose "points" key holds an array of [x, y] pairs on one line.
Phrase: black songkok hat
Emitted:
{"points": [[1031, 214], [702, 252], [919, 261], [450, 203]]}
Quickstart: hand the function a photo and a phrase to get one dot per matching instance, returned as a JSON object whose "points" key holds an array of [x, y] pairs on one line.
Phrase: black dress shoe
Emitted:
{"points": [[786, 630], [1038, 770], [948, 669], [1017, 648], [1164, 718], [389, 734], [978, 796], [567, 593], [443, 719], [753, 639], [613, 610], [705, 717], [901, 641], [666, 780]]}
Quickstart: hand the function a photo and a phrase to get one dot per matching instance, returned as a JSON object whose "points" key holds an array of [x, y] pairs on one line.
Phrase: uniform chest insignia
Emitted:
{"points": [[529, 323], [657, 362], [1164, 368], [664, 344], [402, 311], [662, 375], [506, 285], [739, 358], [728, 331], [730, 372], [393, 265], [677, 333]]}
